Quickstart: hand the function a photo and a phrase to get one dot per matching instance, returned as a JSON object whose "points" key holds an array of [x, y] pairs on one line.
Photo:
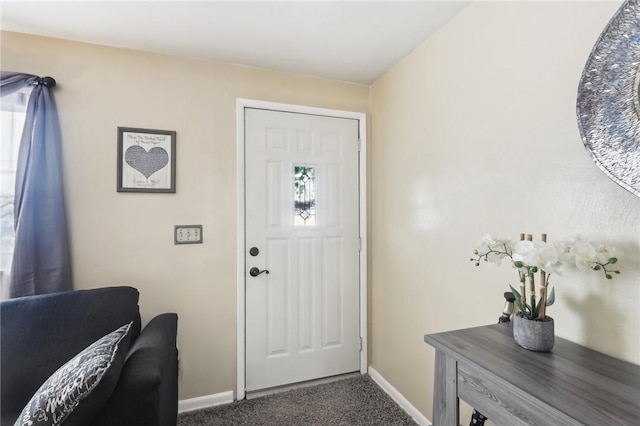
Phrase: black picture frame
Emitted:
{"points": [[146, 160]]}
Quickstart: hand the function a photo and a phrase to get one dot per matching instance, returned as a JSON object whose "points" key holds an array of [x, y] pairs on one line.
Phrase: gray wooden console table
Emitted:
{"points": [[571, 385]]}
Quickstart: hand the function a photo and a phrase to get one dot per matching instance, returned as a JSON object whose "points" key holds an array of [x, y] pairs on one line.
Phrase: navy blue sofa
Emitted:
{"points": [[38, 334]]}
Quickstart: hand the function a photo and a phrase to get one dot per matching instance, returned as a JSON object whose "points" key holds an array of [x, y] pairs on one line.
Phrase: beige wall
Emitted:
{"points": [[475, 132], [127, 238]]}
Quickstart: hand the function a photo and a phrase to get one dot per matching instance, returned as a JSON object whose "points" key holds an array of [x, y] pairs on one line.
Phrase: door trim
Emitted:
{"points": [[241, 104]]}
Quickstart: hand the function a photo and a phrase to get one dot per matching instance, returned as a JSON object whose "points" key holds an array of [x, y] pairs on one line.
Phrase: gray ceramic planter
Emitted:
{"points": [[533, 335]]}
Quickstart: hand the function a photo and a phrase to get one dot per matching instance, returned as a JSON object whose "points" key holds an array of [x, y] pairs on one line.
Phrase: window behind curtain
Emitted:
{"points": [[13, 109]]}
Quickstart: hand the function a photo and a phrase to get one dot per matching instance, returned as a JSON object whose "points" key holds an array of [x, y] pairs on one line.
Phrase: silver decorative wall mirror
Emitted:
{"points": [[608, 106]]}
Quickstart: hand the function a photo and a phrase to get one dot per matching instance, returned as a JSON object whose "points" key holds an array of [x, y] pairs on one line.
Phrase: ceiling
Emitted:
{"points": [[355, 41]]}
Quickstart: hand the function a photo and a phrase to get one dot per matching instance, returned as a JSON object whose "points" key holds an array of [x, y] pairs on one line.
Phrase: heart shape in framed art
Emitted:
{"points": [[146, 162]]}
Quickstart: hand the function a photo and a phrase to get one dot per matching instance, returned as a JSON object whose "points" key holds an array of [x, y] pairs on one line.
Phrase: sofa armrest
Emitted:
{"points": [[41, 333], [147, 391]]}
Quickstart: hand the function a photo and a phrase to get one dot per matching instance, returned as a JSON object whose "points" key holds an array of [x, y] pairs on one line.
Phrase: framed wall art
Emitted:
{"points": [[146, 160]]}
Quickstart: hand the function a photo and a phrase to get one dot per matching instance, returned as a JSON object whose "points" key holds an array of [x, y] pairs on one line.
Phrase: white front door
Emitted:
{"points": [[302, 226]]}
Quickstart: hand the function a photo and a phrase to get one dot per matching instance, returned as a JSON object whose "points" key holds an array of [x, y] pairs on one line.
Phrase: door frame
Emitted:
{"points": [[241, 104]]}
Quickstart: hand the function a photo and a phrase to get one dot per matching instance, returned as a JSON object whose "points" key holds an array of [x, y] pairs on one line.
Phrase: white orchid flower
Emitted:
{"points": [[604, 253], [548, 259], [585, 254], [525, 252], [528, 257], [494, 249]]}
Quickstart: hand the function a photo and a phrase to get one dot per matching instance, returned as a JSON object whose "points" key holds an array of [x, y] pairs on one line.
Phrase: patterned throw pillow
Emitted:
{"points": [[80, 388]]}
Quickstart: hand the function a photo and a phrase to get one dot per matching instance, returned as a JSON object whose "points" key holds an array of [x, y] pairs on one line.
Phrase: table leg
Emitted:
{"points": [[445, 391]]}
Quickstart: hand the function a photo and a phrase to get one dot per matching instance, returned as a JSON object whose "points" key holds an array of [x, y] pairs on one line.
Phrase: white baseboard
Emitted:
{"points": [[205, 401], [398, 398]]}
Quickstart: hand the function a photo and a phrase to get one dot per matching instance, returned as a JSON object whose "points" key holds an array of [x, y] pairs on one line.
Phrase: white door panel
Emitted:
{"points": [[302, 318]]}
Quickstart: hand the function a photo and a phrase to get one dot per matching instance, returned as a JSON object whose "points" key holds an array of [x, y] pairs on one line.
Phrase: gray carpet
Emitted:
{"points": [[347, 402]]}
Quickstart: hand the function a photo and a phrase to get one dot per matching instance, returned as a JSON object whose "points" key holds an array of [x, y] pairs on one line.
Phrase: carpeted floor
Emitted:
{"points": [[356, 401]]}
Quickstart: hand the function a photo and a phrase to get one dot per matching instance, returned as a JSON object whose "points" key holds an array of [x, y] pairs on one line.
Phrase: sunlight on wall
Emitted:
{"points": [[475, 132]]}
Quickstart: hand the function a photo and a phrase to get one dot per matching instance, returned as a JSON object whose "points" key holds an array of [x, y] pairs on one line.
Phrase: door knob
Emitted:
{"points": [[254, 272]]}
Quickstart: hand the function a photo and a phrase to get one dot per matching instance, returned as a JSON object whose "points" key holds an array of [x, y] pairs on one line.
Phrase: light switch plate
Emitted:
{"points": [[188, 234]]}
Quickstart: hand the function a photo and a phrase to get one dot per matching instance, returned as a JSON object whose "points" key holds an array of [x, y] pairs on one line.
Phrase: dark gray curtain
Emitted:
{"points": [[41, 255]]}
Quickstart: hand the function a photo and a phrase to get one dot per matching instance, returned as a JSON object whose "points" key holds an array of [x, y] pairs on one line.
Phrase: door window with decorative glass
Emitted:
{"points": [[304, 183]]}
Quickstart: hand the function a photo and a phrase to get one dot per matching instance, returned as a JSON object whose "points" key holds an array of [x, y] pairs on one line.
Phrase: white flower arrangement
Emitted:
{"points": [[530, 257]]}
